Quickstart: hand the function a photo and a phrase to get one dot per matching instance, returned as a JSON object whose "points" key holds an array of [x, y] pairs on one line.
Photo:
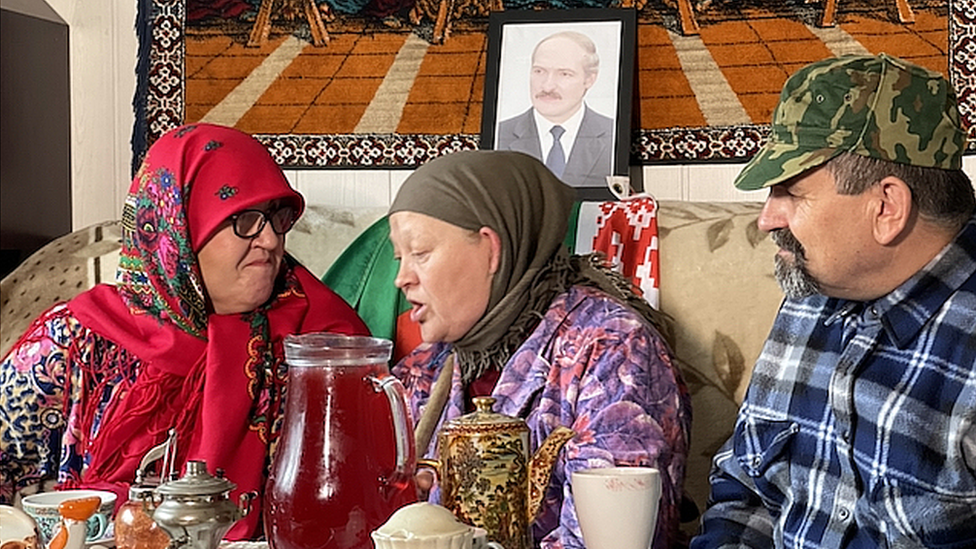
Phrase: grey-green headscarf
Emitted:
{"points": [[520, 199]]}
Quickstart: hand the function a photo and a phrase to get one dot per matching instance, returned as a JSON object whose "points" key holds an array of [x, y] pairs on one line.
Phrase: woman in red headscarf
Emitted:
{"points": [[190, 337]]}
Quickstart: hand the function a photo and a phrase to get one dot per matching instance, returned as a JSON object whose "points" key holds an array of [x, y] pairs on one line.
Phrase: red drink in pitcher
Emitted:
{"points": [[345, 459]]}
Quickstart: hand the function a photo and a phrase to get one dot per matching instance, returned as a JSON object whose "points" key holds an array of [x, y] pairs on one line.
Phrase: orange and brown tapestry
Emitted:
{"points": [[387, 83]]}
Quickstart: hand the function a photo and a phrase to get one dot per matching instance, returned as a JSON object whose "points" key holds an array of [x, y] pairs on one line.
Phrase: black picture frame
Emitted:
{"points": [[512, 38]]}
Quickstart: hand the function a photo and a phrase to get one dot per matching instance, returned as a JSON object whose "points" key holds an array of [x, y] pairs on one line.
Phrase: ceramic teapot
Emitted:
{"points": [[487, 478], [195, 510]]}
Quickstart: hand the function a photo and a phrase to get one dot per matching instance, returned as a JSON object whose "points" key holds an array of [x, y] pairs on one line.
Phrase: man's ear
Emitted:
{"points": [[589, 80], [893, 212], [496, 247]]}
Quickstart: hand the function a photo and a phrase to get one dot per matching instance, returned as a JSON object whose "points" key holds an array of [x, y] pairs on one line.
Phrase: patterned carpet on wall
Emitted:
{"points": [[380, 93]]}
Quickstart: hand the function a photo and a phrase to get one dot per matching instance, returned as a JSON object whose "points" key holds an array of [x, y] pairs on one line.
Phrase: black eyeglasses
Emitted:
{"points": [[250, 223]]}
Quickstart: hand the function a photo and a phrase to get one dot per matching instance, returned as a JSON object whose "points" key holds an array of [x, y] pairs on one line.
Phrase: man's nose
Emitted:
{"points": [[772, 215], [549, 82]]}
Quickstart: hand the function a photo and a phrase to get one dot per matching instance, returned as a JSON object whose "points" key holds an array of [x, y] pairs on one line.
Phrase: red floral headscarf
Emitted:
{"points": [[193, 178]]}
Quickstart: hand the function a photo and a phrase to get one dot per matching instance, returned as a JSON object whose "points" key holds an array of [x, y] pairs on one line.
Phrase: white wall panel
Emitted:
{"points": [[714, 182], [397, 177], [351, 188], [92, 125], [664, 182], [103, 50], [124, 53]]}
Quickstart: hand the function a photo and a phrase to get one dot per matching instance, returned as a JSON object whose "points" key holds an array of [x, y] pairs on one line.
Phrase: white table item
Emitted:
{"points": [[617, 506]]}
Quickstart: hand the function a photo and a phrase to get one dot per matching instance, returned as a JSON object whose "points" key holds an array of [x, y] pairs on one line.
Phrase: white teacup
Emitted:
{"points": [[17, 530], [43, 508], [427, 526], [617, 506]]}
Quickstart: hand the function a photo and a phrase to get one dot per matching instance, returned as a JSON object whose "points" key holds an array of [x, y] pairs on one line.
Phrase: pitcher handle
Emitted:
{"points": [[405, 452]]}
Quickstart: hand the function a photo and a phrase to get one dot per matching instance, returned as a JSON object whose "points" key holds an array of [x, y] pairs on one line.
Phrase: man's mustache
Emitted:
{"points": [[548, 95], [784, 239]]}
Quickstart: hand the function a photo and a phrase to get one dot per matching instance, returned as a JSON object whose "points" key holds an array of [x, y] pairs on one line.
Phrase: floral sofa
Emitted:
{"points": [[716, 282]]}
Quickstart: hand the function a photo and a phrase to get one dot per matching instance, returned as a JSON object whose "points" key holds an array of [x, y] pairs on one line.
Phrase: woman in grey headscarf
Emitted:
{"points": [[556, 339]]}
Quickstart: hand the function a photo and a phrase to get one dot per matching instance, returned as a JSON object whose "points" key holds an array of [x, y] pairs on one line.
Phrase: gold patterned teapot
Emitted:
{"points": [[486, 476]]}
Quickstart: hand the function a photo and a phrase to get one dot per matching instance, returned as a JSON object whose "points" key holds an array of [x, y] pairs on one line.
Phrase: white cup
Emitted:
{"points": [[617, 506], [43, 508], [17, 530]]}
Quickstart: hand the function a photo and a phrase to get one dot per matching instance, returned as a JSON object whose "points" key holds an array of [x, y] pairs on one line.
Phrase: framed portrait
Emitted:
{"points": [[558, 86]]}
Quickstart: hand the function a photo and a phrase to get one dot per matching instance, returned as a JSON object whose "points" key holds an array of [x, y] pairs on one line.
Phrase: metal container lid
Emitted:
{"points": [[484, 419], [141, 491], [196, 482]]}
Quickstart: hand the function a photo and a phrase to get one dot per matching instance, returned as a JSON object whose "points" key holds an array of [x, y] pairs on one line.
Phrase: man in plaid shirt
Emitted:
{"points": [[859, 426]]}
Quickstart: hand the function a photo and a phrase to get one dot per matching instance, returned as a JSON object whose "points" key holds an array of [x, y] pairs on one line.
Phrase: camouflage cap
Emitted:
{"points": [[876, 106]]}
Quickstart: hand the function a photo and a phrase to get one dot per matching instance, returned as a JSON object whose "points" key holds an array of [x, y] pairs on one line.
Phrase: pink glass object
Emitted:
{"points": [[345, 459]]}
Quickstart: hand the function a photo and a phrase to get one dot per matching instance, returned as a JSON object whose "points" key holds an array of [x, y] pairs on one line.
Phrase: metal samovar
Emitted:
{"points": [[196, 510]]}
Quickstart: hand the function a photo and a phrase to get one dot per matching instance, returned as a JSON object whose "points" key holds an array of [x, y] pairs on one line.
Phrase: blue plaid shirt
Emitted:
{"points": [[859, 426]]}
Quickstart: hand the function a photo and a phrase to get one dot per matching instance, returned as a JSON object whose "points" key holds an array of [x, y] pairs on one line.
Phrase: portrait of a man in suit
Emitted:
{"points": [[574, 141]]}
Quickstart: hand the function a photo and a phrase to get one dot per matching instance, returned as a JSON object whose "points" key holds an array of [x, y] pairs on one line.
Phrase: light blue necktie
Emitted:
{"points": [[556, 161]]}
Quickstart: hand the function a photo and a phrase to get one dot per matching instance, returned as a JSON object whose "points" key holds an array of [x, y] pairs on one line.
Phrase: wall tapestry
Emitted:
{"points": [[394, 83]]}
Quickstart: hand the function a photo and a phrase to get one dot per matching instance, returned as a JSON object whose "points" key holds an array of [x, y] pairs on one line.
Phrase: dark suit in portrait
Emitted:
{"points": [[589, 160]]}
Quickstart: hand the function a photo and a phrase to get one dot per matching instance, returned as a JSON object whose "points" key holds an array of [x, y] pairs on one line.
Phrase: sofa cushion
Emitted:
{"points": [[57, 272], [717, 284], [324, 232]]}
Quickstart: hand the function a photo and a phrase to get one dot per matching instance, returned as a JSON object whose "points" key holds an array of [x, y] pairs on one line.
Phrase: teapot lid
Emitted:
{"points": [[143, 487], [196, 482], [483, 417]]}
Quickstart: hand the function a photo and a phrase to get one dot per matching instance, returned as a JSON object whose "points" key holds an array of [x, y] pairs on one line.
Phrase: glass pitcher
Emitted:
{"points": [[345, 459]]}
